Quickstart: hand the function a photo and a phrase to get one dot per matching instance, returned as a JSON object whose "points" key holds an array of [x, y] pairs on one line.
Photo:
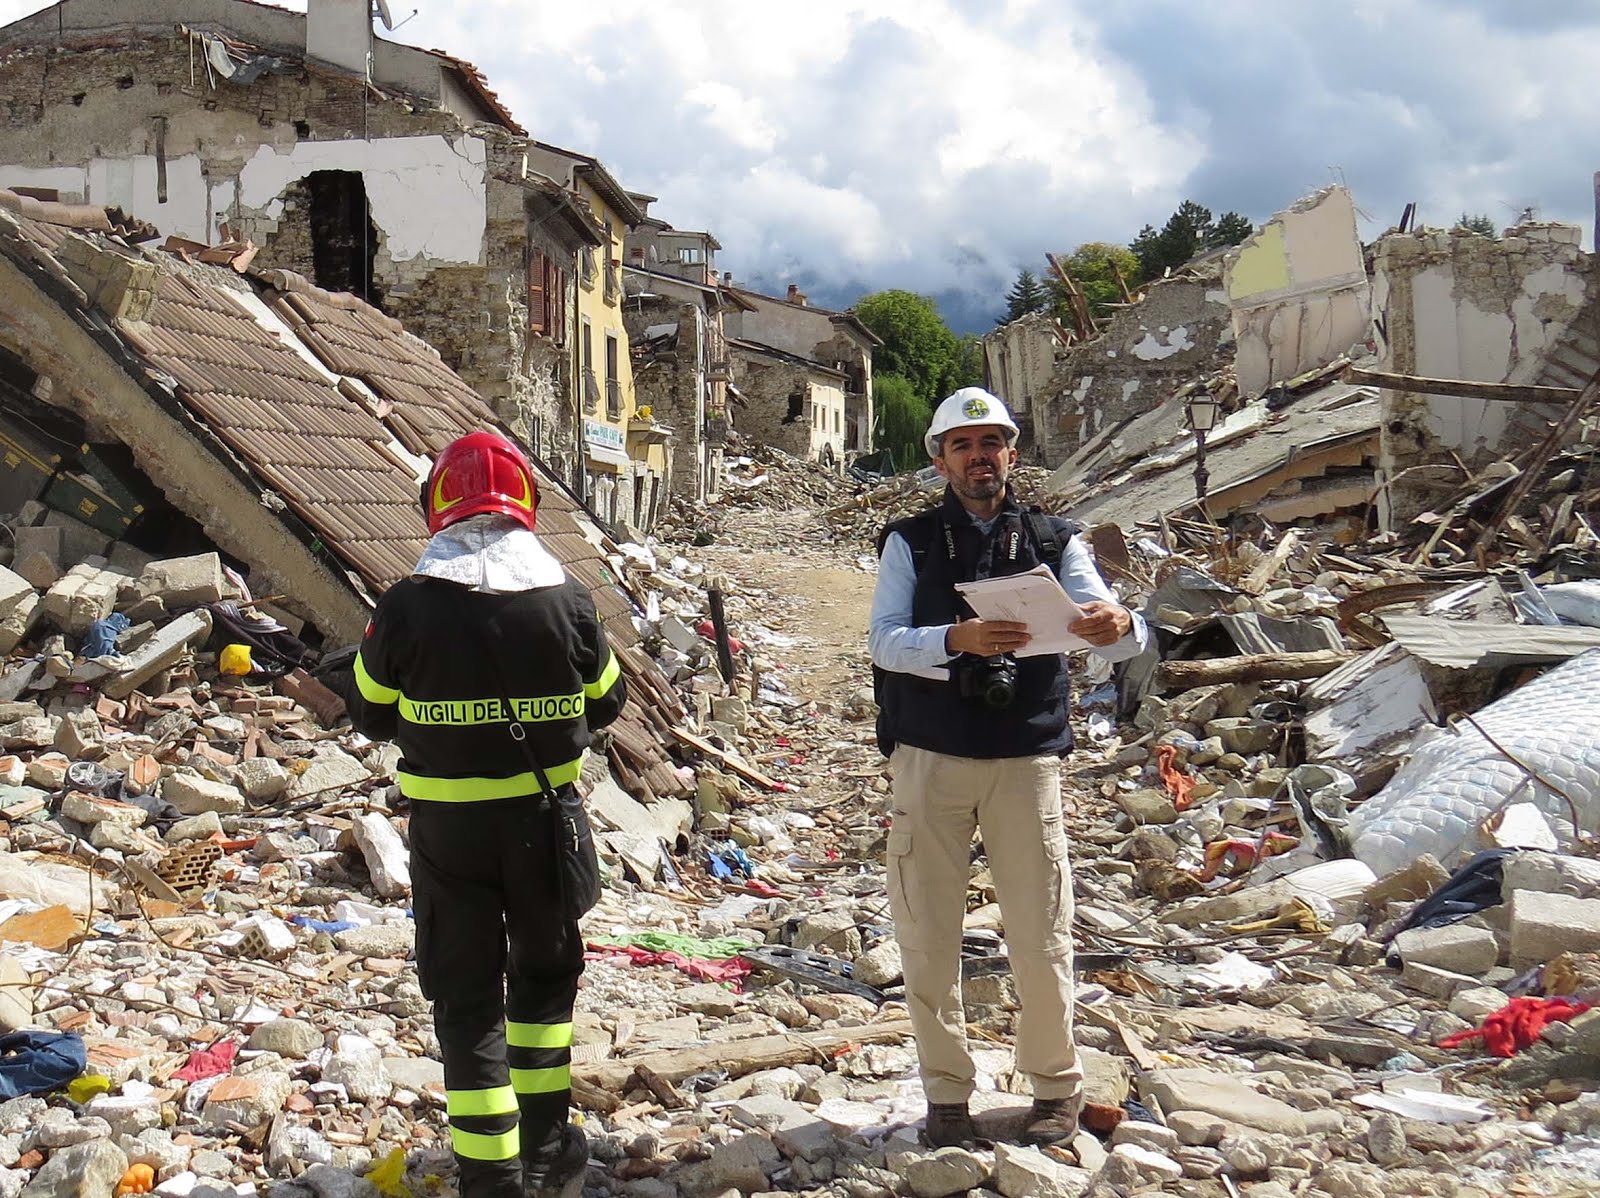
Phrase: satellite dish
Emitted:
{"points": [[382, 9]]}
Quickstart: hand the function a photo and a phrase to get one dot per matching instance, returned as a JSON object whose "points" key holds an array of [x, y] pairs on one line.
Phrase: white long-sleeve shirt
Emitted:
{"points": [[897, 644]]}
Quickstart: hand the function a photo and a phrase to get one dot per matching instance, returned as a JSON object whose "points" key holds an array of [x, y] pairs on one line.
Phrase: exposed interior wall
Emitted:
{"points": [[1146, 351], [671, 381], [1298, 291], [1462, 306]]}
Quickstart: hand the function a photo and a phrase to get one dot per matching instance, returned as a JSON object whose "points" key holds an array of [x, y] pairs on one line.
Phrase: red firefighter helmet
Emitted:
{"points": [[478, 473]]}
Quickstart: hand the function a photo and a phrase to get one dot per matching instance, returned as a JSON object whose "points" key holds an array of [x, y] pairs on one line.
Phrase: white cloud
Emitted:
{"points": [[940, 144]]}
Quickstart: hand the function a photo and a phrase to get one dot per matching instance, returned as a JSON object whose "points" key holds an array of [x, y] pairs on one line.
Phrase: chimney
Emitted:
{"points": [[727, 278], [796, 296], [339, 32]]}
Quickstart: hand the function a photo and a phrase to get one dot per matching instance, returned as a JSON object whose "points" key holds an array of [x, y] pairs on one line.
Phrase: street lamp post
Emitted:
{"points": [[1202, 412]]}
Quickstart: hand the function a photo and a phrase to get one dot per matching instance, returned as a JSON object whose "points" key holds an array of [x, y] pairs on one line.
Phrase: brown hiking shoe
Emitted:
{"points": [[1051, 1122], [948, 1125]]}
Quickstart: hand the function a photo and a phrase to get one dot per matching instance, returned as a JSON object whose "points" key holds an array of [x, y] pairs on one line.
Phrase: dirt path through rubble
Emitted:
{"points": [[815, 593]]}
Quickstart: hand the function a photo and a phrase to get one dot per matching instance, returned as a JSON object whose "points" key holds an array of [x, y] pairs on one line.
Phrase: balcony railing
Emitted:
{"points": [[613, 399], [591, 391]]}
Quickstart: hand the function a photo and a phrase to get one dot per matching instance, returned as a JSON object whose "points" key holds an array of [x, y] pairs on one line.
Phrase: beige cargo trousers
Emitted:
{"points": [[939, 801]]}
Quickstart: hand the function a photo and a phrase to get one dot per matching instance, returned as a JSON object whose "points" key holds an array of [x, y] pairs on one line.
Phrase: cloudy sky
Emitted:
{"points": [[939, 145]]}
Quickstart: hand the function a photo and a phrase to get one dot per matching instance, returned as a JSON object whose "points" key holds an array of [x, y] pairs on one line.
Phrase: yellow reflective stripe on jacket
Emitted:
{"points": [[371, 690], [542, 1081], [474, 790], [476, 1146], [465, 712], [538, 1035], [497, 1100], [608, 678]]}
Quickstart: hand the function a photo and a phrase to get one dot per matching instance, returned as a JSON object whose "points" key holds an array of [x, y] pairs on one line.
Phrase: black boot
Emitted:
{"points": [[948, 1124], [1051, 1121], [552, 1166]]}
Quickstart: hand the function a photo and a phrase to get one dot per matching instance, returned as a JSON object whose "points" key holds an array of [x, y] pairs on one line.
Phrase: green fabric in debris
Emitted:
{"points": [[667, 942]]}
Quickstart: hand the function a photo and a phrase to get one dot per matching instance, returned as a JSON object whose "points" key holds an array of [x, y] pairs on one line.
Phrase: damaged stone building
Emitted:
{"points": [[368, 166], [1146, 351], [1290, 298], [802, 375], [674, 321], [1519, 309]]}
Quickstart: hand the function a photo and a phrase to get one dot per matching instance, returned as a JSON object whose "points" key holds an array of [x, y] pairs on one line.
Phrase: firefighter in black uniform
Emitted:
{"points": [[489, 614]]}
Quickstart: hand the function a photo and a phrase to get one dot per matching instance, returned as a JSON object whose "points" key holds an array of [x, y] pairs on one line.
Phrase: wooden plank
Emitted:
{"points": [[1250, 667], [1461, 388], [739, 1057], [754, 777]]}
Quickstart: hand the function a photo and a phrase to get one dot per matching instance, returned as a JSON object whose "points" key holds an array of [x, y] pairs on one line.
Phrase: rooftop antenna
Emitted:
{"points": [[381, 10]]}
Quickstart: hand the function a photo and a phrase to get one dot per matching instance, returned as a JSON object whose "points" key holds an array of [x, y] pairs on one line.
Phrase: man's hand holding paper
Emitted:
{"points": [[1036, 601]]}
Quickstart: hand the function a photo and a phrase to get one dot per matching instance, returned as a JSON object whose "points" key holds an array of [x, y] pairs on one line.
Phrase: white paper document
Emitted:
{"points": [[1034, 598]]}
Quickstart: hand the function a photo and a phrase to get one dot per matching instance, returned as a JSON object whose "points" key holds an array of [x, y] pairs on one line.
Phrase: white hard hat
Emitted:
{"points": [[968, 406]]}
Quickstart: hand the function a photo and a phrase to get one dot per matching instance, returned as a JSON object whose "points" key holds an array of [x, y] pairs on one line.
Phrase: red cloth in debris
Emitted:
{"points": [[1178, 783], [1517, 1024], [734, 969], [209, 1062]]}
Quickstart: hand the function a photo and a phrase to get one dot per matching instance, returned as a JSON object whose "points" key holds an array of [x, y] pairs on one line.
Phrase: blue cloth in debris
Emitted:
{"points": [[323, 925], [103, 634], [38, 1062]]}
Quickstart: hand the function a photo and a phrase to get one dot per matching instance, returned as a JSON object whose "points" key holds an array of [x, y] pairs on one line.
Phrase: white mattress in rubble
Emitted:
{"points": [[1455, 778]]}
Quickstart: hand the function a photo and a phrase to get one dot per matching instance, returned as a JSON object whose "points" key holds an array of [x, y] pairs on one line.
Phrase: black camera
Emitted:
{"points": [[991, 681]]}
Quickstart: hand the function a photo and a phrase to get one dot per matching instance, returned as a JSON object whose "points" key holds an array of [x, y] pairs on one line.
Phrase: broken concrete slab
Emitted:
{"points": [[1459, 948], [1222, 1095], [387, 859], [1543, 926], [181, 582], [159, 653]]}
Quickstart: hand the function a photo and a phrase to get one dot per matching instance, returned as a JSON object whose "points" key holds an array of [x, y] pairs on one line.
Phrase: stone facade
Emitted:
{"points": [[790, 403], [1019, 360], [835, 341], [1145, 353], [1458, 305]]}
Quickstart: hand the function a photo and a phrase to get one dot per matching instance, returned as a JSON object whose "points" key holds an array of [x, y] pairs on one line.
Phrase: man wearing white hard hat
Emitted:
{"points": [[976, 736]]}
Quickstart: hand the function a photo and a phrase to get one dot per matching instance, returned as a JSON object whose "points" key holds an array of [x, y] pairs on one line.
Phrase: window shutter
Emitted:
{"points": [[538, 311]]}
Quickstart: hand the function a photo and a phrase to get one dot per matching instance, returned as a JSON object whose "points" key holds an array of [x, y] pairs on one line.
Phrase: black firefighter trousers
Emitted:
{"points": [[501, 966]]}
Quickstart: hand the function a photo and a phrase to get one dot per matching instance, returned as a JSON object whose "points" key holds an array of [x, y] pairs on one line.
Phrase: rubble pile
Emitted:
{"points": [[205, 882], [760, 477]]}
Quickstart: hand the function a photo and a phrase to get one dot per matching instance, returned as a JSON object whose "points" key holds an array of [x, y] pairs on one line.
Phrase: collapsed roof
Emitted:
{"points": [[289, 423]]}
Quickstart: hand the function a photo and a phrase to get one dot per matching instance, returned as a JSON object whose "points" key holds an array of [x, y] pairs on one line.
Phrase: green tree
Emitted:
{"points": [[902, 417], [917, 344], [1187, 232], [968, 368], [1094, 267], [1478, 224], [1231, 228], [1026, 295]]}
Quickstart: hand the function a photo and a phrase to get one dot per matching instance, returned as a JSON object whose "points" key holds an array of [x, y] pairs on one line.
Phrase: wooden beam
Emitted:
{"points": [[738, 1057], [1461, 388], [1250, 667]]}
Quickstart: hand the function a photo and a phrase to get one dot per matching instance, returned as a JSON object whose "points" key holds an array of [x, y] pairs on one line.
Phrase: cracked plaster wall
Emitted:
{"points": [[1298, 290], [99, 126], [1461, 306], [1145, 352]]}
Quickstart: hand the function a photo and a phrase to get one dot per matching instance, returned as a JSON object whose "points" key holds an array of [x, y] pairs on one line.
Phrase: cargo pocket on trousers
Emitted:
{"points": [[901, 886], [1057, 874]]}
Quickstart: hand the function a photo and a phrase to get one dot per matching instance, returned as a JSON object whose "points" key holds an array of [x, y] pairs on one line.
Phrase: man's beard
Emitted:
{"points": [[984, 488]]}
